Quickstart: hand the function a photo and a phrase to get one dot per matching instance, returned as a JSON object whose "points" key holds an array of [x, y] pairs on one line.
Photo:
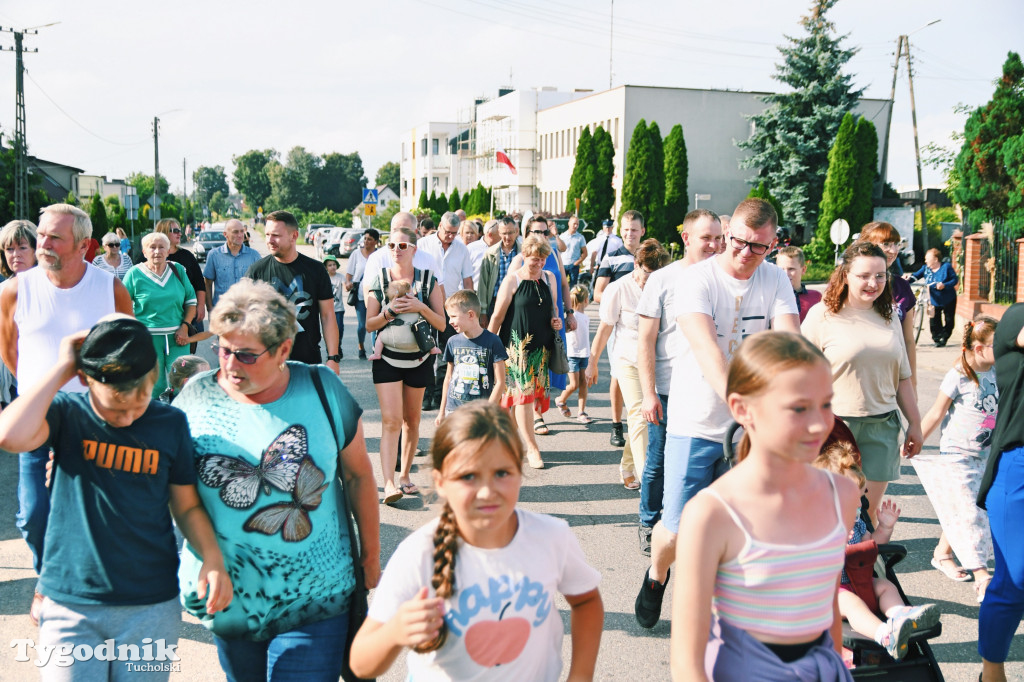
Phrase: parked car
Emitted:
{"points": [[208, 240], [350, 242], [313, 230], [329, 240]]}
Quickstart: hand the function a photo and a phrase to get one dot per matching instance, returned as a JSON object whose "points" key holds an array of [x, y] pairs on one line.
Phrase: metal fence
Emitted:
{"points": [[998, 282]]}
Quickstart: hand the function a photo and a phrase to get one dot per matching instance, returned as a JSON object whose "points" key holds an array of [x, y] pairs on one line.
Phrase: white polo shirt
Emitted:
{"points": [[456, 262]]}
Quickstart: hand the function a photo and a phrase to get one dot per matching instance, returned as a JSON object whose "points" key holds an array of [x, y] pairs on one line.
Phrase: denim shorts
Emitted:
{"points": [[578, 364], [691, 464]]}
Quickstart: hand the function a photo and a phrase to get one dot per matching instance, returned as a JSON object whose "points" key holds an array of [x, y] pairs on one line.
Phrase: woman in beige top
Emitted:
{"points": [[857, 330]]}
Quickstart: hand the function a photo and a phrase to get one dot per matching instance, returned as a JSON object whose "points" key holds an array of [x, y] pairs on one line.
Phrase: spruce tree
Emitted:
{"points": [[582, 173], [762, 191], [677, 195], [442, 204], [655, 213], [990, 164], [432, 201], [98, 215], [791, 138], [601, 193], [424, 202], [863, 210], [636, 186], [837, 197], [454, 201]]}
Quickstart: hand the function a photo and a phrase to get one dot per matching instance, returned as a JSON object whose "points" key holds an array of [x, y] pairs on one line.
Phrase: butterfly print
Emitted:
{"points": [[292, 518], [240, 482]]}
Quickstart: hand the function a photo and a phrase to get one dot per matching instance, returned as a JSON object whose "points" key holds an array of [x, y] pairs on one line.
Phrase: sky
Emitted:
{"points": [[338, 76]]}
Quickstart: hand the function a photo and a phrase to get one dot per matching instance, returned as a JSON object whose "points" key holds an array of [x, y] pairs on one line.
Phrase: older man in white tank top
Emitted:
{"points": [[63, 295]]}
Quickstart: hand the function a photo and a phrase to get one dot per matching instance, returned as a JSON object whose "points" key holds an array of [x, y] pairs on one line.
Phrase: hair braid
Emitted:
{"points": [[965, 346], [443, 581], [982, 328]]}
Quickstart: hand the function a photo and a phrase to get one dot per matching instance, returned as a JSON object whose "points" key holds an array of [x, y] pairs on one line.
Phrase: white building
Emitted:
{"points": [[539, 131]]}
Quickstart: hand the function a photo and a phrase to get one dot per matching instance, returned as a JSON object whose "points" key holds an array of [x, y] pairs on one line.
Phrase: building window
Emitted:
{"points": [[423, 183], [572, 149], [403, 152], [435, 146], [405, 187], [616, 133], [423, 150]]}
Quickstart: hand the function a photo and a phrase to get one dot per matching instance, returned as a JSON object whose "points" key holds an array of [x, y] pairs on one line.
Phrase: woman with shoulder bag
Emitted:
{"points": [[526, 320], [402, 373], [277, 484], [354, 274]]}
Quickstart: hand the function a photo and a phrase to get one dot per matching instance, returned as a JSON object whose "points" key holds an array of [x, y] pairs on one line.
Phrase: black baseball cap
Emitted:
{"points": [[117, 350]]}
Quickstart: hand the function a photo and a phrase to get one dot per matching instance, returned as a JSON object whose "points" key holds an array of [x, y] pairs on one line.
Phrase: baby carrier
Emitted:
{"points": [[404, 337]]}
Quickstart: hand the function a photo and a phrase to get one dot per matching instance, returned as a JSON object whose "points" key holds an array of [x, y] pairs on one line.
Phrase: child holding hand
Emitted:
{"points": [[472, 594]]}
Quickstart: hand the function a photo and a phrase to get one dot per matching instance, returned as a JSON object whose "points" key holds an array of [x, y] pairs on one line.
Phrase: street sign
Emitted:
{"points": [[370, 197], [703, 197], [839, 232], [369, 209]]}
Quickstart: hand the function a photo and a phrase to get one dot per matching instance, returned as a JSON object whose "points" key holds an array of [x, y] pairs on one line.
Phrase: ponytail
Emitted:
{"points": [[443, 581], [978, 330]]}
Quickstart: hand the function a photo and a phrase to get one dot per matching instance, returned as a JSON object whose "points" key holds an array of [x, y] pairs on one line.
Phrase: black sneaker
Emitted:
{"points": [[648, 603], [645, 539], [362, 354], [617, 440]]}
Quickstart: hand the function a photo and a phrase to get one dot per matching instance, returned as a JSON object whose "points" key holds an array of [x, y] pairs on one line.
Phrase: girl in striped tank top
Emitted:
{"points": [[764, 545]]}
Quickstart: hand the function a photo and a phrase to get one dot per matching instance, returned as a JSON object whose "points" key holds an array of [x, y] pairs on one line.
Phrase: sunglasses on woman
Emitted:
{"points": [[401, 246], [243, 356]]}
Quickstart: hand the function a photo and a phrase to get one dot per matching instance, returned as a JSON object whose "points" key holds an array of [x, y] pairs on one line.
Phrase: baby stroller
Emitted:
{"points": [[870, 660]]}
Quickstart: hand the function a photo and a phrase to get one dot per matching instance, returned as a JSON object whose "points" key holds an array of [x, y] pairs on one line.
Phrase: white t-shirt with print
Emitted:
{"points": [[739, 308], [503, 623], [967, 426], [618, 309], [657, 303]]}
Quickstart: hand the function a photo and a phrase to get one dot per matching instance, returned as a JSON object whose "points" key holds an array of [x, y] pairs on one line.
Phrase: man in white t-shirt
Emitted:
{"points": [[718, 303], [656, 345], [381, 258]]}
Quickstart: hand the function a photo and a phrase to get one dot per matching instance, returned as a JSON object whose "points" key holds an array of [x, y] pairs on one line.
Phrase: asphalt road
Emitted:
{"points": [[580, 484]]}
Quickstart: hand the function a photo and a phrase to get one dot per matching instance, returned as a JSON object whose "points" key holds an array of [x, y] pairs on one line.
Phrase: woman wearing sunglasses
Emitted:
{"points": [[113, 260], [268, 459], [184, 258], [402, 373]]}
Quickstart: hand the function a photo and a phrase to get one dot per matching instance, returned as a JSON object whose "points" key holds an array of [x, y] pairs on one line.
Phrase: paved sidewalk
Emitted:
{"points": [[580, 485]]}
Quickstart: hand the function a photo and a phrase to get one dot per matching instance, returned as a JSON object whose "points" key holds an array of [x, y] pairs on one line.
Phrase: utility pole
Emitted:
{"points": [[155, 212], [184, 192], [917, 149], [883, 176], [21, 208], [611, 40]]}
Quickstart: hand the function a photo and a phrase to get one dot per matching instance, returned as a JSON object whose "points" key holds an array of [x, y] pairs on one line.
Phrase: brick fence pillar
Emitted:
{"points": [[1020, 271], [976, 276]]}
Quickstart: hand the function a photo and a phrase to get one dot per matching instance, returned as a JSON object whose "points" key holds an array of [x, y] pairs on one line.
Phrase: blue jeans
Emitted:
{"points": [[573, 273], [33, 501], [1004, 599], [340, 316], [361, 322], [312, 652], [691, 464], [652, 478]]}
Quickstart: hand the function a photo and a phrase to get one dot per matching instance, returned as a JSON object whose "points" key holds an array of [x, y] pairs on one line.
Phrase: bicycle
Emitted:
{"points": [[922, 308]]}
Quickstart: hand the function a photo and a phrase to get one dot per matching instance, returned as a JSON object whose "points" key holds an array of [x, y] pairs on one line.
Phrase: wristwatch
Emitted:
{"points": [[334, 358]]}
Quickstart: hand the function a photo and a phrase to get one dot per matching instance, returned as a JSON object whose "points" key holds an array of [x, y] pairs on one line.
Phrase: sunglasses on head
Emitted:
{"points": [[243, 356], [401, 246]]}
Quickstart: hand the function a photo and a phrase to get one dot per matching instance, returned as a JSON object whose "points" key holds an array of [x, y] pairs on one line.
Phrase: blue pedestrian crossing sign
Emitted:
{"points": [[369, 196]]}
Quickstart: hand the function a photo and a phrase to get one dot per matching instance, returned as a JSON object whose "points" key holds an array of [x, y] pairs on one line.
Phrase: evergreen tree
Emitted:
{"points": [[863, 210], [582, 176], [636, 187], [432, 200], [655, 213], [792, 136], [98, 215], [454, 201], [841, 177], [677, 195], [424, 202], [600, 193], [442, 204], [763, 192], [991, 162]]}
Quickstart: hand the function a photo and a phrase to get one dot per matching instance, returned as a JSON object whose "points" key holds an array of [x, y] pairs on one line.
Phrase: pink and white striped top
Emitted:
{"points": [[781, 590]]}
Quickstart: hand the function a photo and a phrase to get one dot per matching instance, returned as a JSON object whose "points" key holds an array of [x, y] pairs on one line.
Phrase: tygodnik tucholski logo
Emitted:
{"points": [[151, 656]]}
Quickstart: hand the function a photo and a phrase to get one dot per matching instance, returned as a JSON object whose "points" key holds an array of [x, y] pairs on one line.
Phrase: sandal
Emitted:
{"points": [[394, 496], [979, 588], [534, 460], [955, 573], [628, 478], [409, 489], [564, 409], [540, 428], [584, 418]]}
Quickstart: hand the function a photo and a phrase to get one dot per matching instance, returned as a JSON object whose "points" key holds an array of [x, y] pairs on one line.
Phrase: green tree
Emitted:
{"points": [[677, 195], [655, 213], [454, 201], [382, 221], [251, 177], [389, 174], [209, 180], [863, 209], [424, 201], [840, 180], [442, 204], [601, 193], [98, 215], [636, 189], [582, 175], [990, 166], [143, 185], [432, 200], [219, 204], [115, 212], [762, 191], [792, 136], [340, 182]]}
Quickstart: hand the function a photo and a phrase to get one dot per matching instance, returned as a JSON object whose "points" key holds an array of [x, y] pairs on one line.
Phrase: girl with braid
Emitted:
{"points": [[473, 593]]}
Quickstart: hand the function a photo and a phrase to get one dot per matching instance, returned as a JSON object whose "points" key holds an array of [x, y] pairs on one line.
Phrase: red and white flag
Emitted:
{"points": [[502, 157]]}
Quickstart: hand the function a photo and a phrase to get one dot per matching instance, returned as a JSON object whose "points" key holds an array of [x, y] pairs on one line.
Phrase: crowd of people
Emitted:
{"points": [[261, 462]]}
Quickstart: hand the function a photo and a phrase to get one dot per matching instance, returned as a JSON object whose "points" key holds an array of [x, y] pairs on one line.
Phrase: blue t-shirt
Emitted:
{"points": [[472, 367], [109, 539], [268, 477], [945, 274], [224, 269]]}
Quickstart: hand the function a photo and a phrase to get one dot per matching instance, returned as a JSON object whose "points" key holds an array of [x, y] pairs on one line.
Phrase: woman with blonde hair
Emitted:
{"points": [[113, 260]]}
